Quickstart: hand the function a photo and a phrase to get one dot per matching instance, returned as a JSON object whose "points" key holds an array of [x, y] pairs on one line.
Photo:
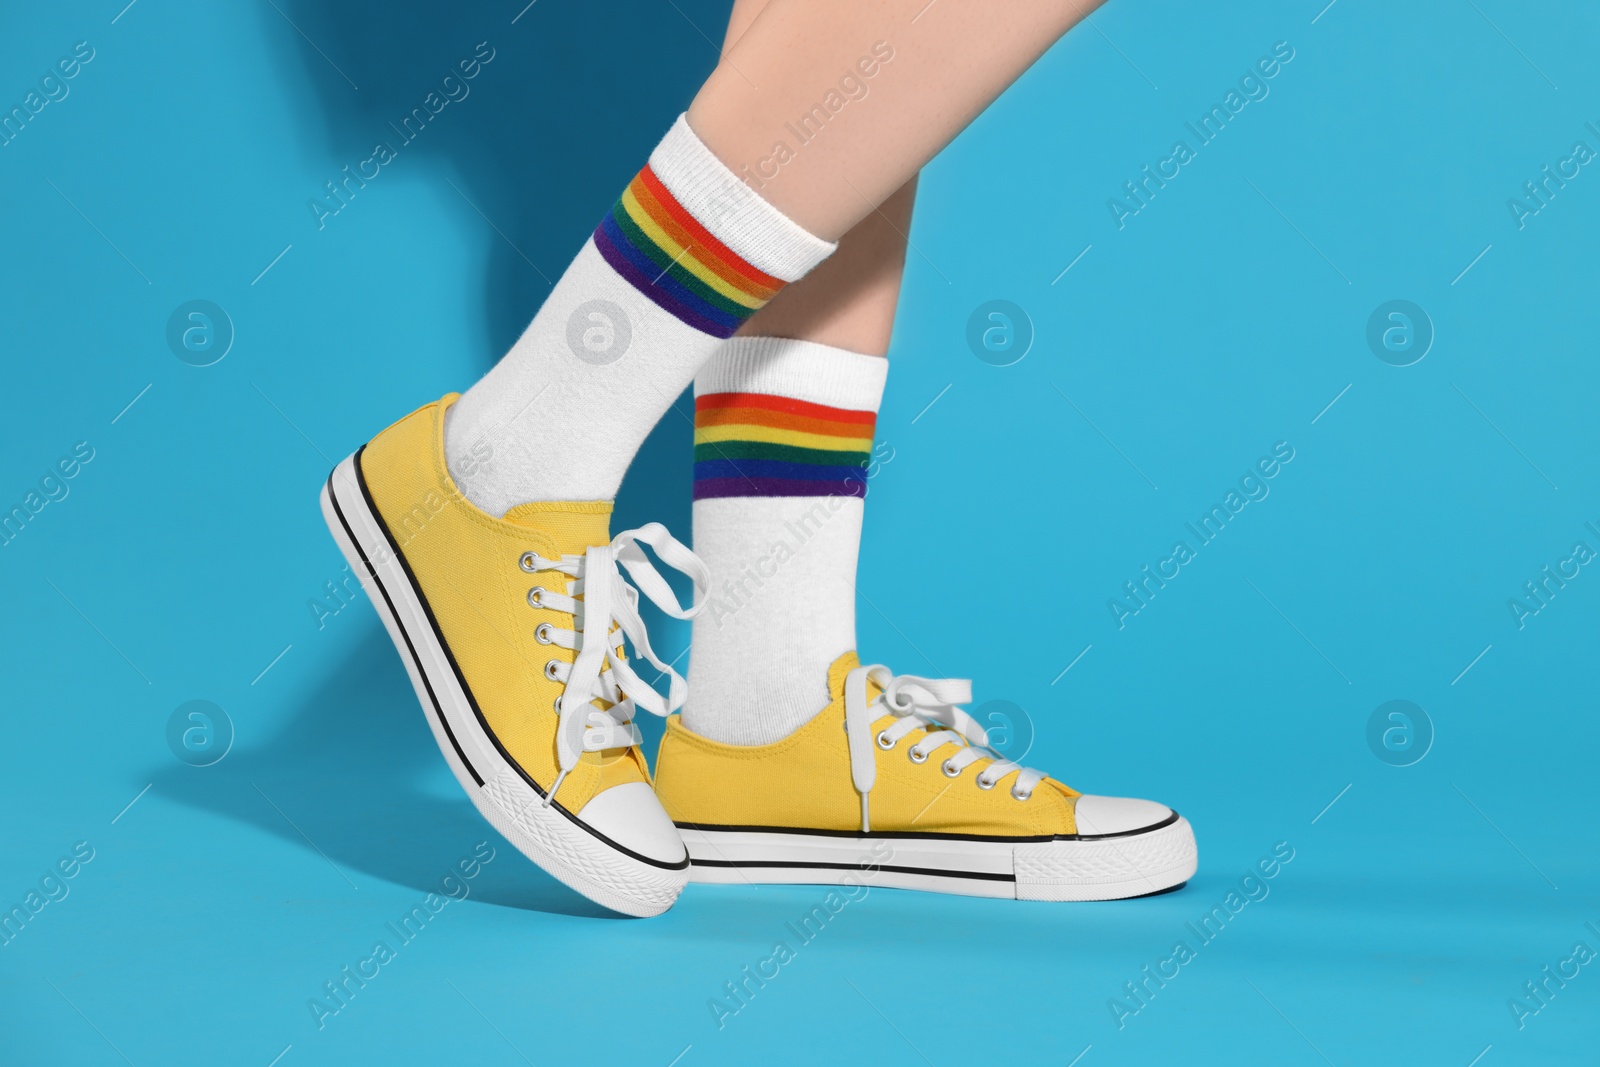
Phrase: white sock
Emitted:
{"points": [[783, 445], [686, 255]]}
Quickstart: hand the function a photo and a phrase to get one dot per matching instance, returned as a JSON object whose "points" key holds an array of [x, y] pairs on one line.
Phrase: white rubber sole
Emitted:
{"points": [[1110, 867], [549, 835]]}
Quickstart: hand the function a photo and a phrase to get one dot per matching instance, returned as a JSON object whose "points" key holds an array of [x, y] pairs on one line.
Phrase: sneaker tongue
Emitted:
{"points": [[573, 526], [840, 669], [836, 675]]}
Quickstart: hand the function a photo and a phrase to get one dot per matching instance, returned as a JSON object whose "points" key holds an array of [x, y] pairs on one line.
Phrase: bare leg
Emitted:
{"points": [[855, 96], [849, 301], [793, 110]]}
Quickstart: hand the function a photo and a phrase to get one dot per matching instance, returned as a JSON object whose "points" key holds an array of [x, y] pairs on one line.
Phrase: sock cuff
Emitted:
{"points": [[799, 370], [776, 417], [731, 211]]}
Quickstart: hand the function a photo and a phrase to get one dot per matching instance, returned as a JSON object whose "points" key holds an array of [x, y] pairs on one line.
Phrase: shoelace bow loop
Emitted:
{"points": [[607, 614]]}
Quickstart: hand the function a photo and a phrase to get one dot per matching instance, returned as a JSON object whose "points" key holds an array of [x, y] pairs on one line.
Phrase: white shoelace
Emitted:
{"points": [[608, 612], [919, 703]]}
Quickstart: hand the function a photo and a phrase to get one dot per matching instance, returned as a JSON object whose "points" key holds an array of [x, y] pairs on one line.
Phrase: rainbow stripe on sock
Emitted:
{"points": [[753, 444], [651, 240]]}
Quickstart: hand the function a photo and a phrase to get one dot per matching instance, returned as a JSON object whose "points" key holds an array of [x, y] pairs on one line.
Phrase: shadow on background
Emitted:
{"points": [[546, 135], [355, 776], [549, 132]]}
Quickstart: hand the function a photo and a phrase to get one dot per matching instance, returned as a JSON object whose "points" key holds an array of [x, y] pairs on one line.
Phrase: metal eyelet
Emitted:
{"points": [[527, 562], [1020, 796], [542, 634], [950, 770], [916, 755], [985, 783], [535, 596], [557, 705], [883, 740], [550, 670]]}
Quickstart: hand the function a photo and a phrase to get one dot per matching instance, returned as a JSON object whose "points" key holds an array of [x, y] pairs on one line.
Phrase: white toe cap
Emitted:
{"points": [[1097, 816], [630, 815]]}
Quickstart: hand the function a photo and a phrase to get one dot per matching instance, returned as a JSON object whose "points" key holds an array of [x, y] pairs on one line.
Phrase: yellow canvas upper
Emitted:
{"points": [[803, 782], [466, 562]]}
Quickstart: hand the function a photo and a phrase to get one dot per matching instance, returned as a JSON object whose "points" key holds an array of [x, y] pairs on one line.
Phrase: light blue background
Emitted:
{"points": [[1223, 318]]}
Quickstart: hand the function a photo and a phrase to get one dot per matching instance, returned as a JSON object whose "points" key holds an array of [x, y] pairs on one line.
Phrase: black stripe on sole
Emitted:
{"points": [[438, 711], [920, 835], [819, 865]]}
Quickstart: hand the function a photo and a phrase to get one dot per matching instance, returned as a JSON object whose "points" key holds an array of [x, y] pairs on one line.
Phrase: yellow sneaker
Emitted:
{"points": [[890, 785], [512, 632]]}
